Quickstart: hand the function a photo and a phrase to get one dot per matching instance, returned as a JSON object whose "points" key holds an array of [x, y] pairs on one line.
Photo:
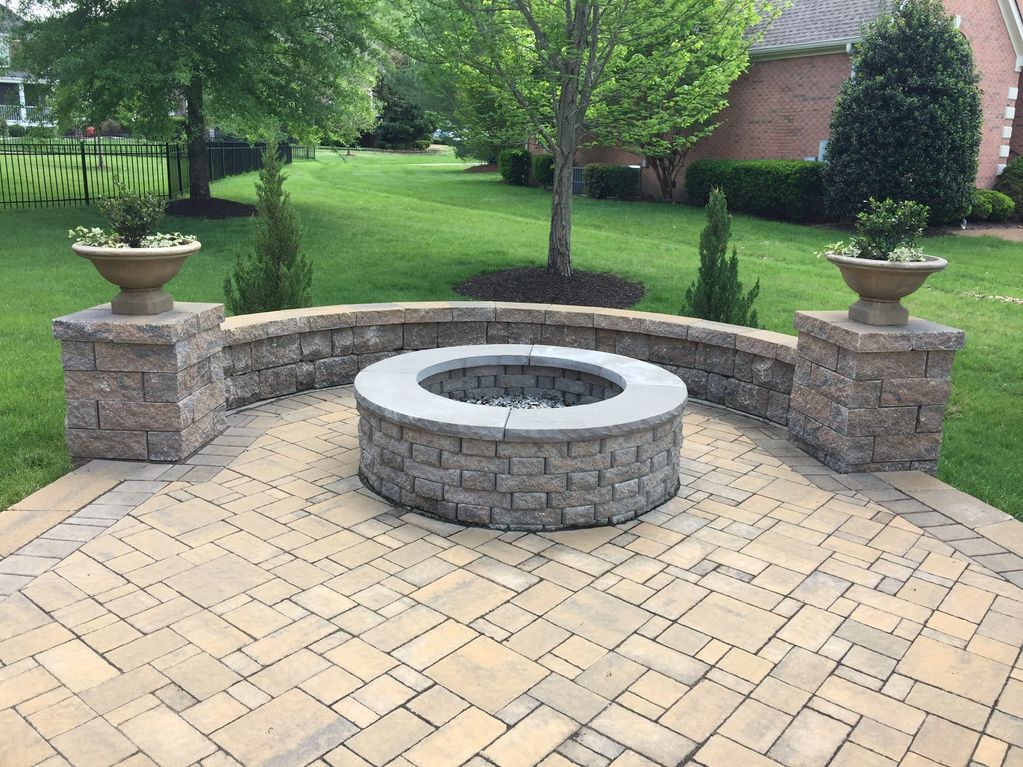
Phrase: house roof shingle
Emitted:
{"points": [[806, 22]]}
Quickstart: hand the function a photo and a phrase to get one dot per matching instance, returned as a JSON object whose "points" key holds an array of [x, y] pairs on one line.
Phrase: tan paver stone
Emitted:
{"points": [[810, 628], [755, 725], [701, 710], [435, 644], [852, 755], [598, 617], [18, 686], [990, 752], [383, 694], [873, 704], [211, 633], [454, 743], [437, 705], [202, 676], [124, 688], [288, 639], [167, 738], [734, 622], [185, 516], [722, 752], [213, 713], [256, 619], [389, 737], [20, 745], [948, 706], [810, 741], [60, 717], [361, 659], [945, 742], [219, 579], [76, 665], [529, 741], [290, 729], [331, 684], [569, 698], [94, 744], [145, 649], [486, 674], [954, 670], [463, 595], [658, 743]]}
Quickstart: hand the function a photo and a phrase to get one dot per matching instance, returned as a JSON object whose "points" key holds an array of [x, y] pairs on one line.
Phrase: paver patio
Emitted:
{"points": [[256, 605]]}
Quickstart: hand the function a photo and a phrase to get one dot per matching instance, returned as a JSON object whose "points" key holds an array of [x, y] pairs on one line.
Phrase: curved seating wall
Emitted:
{"points": [[278, 353]]}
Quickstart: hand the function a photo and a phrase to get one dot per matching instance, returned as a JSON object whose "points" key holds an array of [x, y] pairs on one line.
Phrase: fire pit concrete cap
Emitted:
{"points": [[391, 389]]}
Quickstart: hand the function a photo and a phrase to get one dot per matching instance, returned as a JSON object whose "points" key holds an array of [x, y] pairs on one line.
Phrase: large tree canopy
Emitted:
{"points": [[244, 65], [549, 57], [907, 124], [663, 89]]}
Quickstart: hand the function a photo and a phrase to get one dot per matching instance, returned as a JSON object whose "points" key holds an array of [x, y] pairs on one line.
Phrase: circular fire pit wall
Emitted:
{"points": [[607, 455]]}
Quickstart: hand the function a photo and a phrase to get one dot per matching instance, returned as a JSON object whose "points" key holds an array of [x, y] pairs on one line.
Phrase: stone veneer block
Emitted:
{"points": [[148, 388], [871, 398]]}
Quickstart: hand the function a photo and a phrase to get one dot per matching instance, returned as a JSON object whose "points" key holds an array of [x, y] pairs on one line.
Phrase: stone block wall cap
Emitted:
{"points": [[390, 388], [100, 324], [918, 335]]}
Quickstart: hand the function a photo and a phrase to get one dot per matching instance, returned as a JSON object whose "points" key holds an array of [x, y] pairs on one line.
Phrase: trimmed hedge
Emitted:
{"points": [[514, 166], [603, 181], [792, 190], [1010, 183], [16, 131], [989, 205], [543, 169]]}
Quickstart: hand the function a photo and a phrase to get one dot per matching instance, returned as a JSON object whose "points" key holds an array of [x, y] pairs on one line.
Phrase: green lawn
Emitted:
{"points": [[384, 227]]}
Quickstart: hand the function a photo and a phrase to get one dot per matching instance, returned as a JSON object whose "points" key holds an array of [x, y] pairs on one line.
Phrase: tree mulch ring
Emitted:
{"points": [[215, 207], [535, 285], [488, 168]]}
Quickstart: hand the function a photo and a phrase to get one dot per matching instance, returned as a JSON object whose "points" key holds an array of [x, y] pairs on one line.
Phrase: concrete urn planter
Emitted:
{"points": [[140, 273], [881, 284]]}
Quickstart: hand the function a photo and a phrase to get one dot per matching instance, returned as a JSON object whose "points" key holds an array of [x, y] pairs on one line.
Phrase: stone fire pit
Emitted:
{"points": [[609, 455]]}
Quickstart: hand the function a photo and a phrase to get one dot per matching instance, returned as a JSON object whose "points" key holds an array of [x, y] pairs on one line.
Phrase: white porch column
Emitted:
{"points": [[21, 102]]}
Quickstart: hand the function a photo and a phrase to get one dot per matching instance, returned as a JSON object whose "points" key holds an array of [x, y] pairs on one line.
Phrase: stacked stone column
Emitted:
{"points": [[147, 388], [871, 398]]}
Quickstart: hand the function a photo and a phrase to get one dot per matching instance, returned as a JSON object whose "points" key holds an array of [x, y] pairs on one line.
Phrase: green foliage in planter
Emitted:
{"points": [[131, 215], [514, 166], [603, 181], [274, 275], [717, 294], [543, 169], [789, 190], [887, 226], [907, 126], [1010, 183]]}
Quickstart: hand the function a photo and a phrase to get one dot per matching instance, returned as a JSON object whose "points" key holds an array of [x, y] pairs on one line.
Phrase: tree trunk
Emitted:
{"points": [[666, 169], [195, 133], [559, 252]]}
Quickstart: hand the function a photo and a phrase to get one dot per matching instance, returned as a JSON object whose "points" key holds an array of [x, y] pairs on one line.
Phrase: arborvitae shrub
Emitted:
{"points": [[717, 294], [274, 275], [543, 169], [513, 165]]}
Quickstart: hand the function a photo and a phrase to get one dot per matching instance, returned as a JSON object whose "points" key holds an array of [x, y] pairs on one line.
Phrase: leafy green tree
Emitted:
{"points": [[402, 121], [549, 57], [275, 275], [907, 125], [663, 89], [717, 293], [238, 64]]}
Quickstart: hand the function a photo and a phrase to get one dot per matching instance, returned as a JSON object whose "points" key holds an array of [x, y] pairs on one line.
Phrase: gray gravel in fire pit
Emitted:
{"points": [[518, 402]]}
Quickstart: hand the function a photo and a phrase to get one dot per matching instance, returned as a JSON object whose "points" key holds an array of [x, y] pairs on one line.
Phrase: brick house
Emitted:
{"points": [[781, 108]]}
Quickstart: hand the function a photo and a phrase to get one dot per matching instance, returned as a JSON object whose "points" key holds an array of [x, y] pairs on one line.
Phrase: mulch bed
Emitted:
{"points": [[536, 285], [215, 207], [491, 168]]}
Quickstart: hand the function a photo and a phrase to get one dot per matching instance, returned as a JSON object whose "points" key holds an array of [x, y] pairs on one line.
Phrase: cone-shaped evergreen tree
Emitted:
{"points": [[274, 275], [907, 124], [717, 293]]}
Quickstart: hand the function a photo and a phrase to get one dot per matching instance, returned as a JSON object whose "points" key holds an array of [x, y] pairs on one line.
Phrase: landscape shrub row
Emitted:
{"points": [[603, 181], [514, 165], [791, 190], [989, 205]]}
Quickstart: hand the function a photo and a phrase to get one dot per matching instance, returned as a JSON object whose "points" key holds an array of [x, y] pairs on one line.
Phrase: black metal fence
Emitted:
{"points": [[74, 172]]}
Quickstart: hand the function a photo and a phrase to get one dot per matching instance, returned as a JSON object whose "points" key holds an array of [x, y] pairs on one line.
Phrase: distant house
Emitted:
{"points": [[21, 101], [781, 108]]}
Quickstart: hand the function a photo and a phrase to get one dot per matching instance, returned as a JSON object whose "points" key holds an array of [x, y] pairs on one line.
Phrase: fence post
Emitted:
{"points": [[170, 177], [85, 172], [181, 181]]}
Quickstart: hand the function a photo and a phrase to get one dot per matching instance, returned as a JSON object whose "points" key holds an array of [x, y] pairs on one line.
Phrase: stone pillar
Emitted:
{"points": [[871, 398], [146, 388]]}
